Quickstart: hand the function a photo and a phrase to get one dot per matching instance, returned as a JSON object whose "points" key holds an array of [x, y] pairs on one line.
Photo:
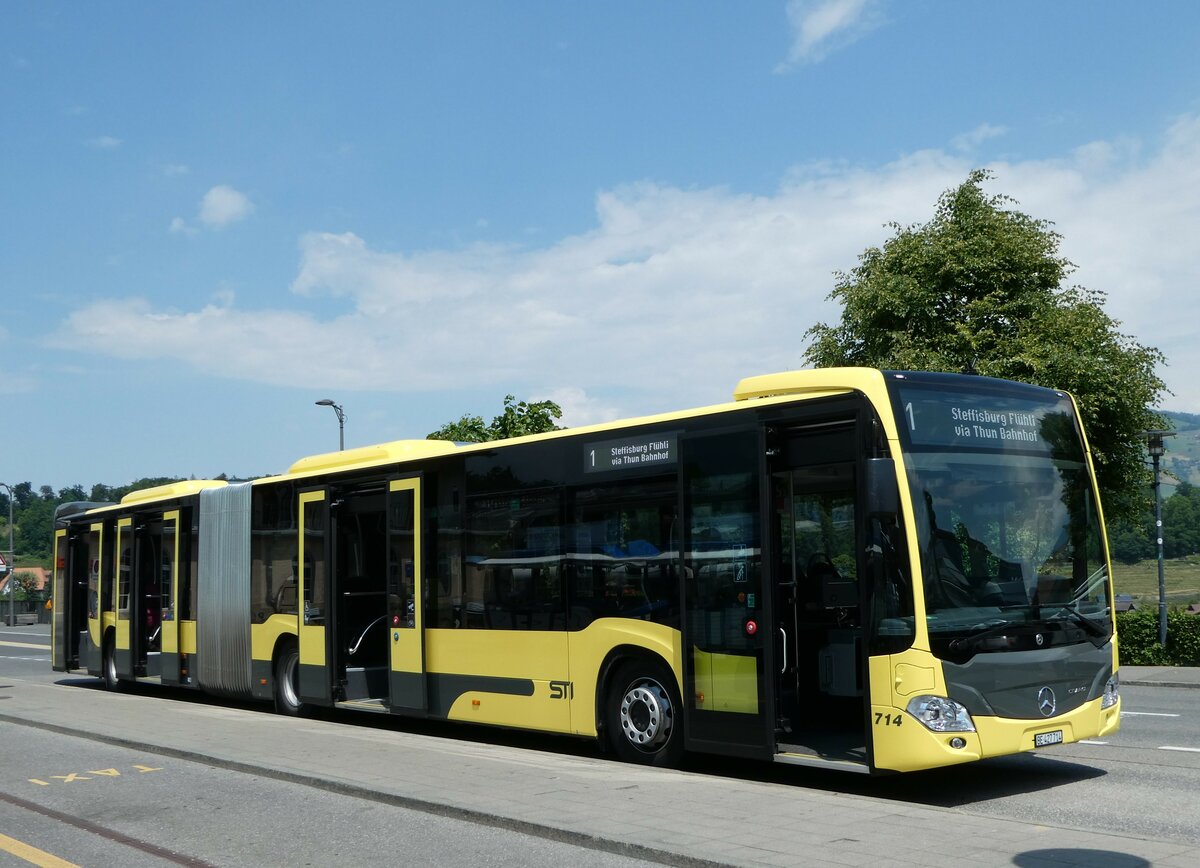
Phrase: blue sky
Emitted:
{"points": [[216, 214]]}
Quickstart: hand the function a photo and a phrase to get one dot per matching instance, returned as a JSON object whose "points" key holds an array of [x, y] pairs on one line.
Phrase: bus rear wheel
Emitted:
{"points": [[287, 682], [643, 714], [109, 666]]}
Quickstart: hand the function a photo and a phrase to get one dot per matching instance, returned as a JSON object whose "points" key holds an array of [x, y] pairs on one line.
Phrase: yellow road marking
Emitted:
{"points": [[24, 645], [32, 855]]}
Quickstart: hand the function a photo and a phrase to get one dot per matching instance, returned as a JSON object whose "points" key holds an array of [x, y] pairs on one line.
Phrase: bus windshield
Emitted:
{"points": [[1010, 538]]}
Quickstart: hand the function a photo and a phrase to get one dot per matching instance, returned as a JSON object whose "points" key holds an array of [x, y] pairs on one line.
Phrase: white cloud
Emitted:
{"points": [[104, 143], [674, 294], [976, 137], [820, 27], [179, 226], [172, 170], [579, 408], [16, 384], [223, 205]]}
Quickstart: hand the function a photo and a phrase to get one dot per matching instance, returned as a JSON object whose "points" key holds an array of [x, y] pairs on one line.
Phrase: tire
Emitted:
{"points": [[287, 682], [643, 714], [108, 666]]}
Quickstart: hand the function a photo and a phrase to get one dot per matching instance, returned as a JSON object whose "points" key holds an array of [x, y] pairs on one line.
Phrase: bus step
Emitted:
{"points": [[376, 705]]}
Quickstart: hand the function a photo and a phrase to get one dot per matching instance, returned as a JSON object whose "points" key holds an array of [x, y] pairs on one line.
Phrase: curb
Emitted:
{"points": [[1147, 683]]}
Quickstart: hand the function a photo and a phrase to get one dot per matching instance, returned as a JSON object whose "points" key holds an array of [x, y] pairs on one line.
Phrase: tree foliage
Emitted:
{"points": [[517, 419], [980, 289], [33, 513], [1138, 631]]}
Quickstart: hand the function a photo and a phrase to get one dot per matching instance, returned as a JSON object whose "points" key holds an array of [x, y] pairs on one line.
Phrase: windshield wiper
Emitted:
{"points": [[1079, 618], [963, 643], [1071, 609]]}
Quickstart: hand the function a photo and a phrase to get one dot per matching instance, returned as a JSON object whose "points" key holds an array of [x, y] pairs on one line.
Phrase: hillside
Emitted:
{"points": [[1182, 459]]}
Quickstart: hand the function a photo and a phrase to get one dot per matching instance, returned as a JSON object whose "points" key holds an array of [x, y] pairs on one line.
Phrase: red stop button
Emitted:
{"points": [[751, 628]]}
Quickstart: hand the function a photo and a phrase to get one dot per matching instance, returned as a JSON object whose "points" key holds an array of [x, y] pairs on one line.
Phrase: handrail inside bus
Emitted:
{"points": [[354, 647]]}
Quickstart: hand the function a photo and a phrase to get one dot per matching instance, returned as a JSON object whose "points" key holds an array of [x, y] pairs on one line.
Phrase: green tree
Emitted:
{"points": [[1131, 541], [1181, 522], [518, 419], [980, 289]]}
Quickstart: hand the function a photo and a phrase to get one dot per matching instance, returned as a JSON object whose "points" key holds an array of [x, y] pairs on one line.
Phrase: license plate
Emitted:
{"points": [[1042, 739]]}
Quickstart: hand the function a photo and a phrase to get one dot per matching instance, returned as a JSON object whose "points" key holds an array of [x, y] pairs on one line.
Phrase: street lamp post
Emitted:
{"points": [[341, 417], [12, 604], [1156, 448]]}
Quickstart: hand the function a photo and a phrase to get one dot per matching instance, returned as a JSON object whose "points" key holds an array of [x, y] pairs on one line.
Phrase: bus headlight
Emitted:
{"points": [[1112, 693], [941, 714]]}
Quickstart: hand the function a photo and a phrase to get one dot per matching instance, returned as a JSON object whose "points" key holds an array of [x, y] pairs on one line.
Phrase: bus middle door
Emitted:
{"points": [[123, 647], [315, 682]]}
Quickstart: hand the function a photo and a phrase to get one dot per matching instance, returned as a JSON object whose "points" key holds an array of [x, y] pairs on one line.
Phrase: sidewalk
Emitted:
{"points": [[1160, 676], [672, 817]]}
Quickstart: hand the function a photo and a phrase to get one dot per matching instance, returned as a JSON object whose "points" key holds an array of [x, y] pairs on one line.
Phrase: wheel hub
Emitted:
{"points": [[646, 715]]}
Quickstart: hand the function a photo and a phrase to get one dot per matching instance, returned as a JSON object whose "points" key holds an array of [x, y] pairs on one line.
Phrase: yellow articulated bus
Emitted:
{"points": [[869, 570]]}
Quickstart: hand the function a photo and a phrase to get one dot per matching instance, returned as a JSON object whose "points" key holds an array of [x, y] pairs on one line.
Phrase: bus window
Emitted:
{"points": [[624, 552], [512, 567]]}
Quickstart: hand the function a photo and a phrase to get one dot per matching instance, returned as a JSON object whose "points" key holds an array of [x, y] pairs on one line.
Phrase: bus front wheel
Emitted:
{"points": [[643, 714], [287, 682]]}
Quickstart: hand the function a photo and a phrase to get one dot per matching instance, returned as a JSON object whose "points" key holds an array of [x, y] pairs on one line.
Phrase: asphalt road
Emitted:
{"points": [[1140, 783], [94, 804]]}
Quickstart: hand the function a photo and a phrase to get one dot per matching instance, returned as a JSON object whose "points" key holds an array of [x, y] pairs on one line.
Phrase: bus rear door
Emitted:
{"points": [[405, 589], [98, 579]]}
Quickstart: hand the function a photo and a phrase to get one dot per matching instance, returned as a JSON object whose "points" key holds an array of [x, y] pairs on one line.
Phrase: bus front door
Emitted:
{"points": [[405, 590], [315, 682], [816, 525], [727, 658]]}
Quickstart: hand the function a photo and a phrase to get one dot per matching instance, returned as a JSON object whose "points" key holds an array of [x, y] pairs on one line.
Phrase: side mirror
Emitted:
{"points": [[883, 492]]}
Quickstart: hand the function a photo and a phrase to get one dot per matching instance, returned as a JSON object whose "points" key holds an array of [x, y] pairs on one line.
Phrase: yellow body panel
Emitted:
{"points": [[124, 542], [170, 627], [96, 624], [564, 669], [909, 745], [382, 453], [726, 682], [540, 657], [187, 637], [122, 640], [589, 647], [407, 652], [264, 636], [171, 490], [58, 594], [999, 736], [312, 636]]}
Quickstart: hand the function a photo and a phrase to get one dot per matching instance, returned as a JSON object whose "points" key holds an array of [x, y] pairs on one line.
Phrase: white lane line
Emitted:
{"points": [[39, 647], [1091, 741], [1188, 749], [1147, 714]]}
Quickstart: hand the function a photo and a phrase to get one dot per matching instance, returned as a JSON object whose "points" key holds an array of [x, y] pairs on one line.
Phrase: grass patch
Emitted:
{"points": [[1140, 580]]}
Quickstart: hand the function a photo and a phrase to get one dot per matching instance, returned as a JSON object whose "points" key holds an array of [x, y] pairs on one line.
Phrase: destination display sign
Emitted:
{"points": [[628, 453], [986, 421]]}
